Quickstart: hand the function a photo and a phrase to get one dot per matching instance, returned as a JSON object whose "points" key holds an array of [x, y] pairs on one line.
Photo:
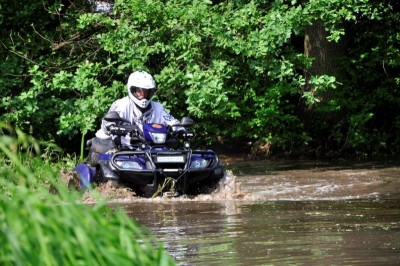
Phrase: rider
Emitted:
{"points": [[137, 108]]}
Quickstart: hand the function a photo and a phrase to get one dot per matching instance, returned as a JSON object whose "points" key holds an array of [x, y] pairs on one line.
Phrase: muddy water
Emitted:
{"points": [[279, 213]]}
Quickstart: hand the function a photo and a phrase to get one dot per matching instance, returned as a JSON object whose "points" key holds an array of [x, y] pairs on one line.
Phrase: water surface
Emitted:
{"points": [[279, 213]]}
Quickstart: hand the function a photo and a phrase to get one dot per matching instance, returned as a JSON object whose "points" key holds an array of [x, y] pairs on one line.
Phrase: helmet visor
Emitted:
{"points": [[140, 93]]}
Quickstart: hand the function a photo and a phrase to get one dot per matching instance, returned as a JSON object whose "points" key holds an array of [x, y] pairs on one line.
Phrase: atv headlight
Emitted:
{"points": [[158, 138], [128, 165], [199, 163]]}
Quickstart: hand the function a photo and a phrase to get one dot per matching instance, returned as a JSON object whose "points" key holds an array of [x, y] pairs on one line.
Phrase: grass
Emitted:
{"points": [[41, 228]]}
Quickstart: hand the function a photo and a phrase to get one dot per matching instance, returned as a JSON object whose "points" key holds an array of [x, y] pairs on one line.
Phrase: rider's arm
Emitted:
{"points": [[104, 132], [171, 121]]}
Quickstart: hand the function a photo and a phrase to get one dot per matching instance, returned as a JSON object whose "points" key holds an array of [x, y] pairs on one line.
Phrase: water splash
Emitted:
{"points": [[111, 191], [227, 189], [322, 183]]}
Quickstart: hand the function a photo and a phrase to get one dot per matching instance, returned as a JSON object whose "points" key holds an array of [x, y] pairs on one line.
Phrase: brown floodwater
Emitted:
{"points": [[283, 212]]}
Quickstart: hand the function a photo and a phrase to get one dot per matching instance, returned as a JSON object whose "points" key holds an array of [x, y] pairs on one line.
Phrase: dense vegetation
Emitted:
{"points": [[294, 77], [41, 224]]}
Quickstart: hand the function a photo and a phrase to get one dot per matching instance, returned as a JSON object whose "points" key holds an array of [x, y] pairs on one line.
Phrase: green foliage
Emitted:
{"points": [[336, 13], [40, 228], [236, 67], [320, 84]]}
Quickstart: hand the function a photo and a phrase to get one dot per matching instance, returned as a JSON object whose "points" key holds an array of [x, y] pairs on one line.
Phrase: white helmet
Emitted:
{"points": [[143, 80]]}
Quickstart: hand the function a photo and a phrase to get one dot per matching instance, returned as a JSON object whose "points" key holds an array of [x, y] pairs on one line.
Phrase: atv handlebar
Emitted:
{"points": [[120, 130], [121, 127]]}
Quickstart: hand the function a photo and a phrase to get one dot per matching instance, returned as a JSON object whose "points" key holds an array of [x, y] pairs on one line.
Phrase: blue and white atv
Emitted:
{"points": [[160, 161]]}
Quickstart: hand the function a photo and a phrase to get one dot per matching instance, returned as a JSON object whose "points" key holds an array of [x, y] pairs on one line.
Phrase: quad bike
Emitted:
{"points": [[158, 161]]}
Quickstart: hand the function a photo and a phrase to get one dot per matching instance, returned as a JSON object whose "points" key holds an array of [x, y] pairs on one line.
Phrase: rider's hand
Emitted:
{"points": [[178, 131]]}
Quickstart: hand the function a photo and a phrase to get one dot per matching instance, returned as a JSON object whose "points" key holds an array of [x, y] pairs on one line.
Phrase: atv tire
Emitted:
{"points": [[97, 146]]}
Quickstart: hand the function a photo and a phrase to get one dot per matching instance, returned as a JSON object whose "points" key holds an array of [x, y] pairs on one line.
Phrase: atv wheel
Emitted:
{"points": [[93, 157], [99, 176]]}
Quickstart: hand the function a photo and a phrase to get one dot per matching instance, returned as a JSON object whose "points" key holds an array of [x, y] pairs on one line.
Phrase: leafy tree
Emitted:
{"points": [[238, 67]]}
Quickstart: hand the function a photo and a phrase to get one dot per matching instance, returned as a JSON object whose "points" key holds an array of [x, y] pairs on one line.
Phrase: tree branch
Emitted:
{"points": [[76, 38]]}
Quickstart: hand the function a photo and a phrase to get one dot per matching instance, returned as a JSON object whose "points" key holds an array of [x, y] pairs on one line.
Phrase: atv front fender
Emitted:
{"points": [[86, 174]]}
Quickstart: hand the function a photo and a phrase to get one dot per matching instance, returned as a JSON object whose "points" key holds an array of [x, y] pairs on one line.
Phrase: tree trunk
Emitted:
{"points": [[326, 61], [325, 53]]}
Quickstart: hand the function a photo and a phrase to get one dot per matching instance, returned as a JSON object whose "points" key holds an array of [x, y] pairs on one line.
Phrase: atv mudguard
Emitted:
{"points": [[86, 174]]}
